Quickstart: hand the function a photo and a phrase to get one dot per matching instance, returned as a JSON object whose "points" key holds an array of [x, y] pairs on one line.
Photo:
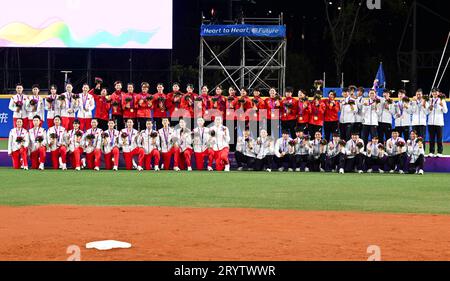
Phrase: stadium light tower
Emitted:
{"points": [[66, 76]]}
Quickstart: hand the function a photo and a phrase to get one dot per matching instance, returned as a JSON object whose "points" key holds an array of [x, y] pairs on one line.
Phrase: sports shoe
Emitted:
{"points": [[139, 168], [380, 171], [156, 168], [401, 172], [77, 169], [25, 168], [360, 172], [227, 168], [269, 170], [96, 169], [341, 171], [297, 170], [439, 155], [64, 167], [281, 169], [176, 169], [306, 169], [115, 168], [322, 170], [189, 169], [431, 155], [369, 171], [210, 169], [41, 166], [420, 172], [240, 168], [391, 171]]}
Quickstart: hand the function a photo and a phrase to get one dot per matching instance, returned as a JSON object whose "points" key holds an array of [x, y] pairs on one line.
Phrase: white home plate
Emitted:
{"points": [[107, 245]]}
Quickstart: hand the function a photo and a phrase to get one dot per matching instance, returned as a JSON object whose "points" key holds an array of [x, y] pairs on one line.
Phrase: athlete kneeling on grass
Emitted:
{"points": [[37, 146], [57, 144], [220, 139], [91, 145], [149, 141], [18, 145], [110, 147], [128, 141], [169, 145], [74, 140]]}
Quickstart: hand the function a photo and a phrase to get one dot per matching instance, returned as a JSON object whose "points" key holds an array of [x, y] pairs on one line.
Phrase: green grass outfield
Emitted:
{"points": [[298, 191], [4, 146]]}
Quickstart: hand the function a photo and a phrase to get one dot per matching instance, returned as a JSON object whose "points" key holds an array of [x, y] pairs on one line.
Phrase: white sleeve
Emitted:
{"points": [[10, 142], [12, 106]]}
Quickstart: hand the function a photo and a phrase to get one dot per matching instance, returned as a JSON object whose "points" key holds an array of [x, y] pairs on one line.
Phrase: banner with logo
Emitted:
{"points": [[236, 30]]}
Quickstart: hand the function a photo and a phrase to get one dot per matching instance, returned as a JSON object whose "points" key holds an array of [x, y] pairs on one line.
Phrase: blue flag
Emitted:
{"points": [[380, 80]]}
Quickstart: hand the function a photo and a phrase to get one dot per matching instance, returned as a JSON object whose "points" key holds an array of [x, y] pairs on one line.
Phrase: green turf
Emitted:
{"points": [[4, 145], [351, 192]]}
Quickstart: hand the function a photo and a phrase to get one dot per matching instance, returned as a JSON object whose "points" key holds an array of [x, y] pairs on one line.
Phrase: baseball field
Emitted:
{"points": [[224, 216]]}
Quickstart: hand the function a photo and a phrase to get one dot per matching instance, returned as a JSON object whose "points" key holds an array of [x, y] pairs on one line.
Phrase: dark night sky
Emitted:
{"points": [[379, 43]]}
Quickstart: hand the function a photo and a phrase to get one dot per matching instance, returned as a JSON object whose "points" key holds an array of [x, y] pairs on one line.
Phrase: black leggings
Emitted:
{"points": [[368, 129], [329, 129], [397, 160], [335, 163], [316, 164], [289, 126], [266, 162], [375, 161], [355, 162], [435, 136], [384, 131], [242, 159], [418, 165]]}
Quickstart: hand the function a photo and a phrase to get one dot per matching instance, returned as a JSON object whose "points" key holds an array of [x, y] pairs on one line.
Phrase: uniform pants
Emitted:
{"points": [[128, 156], [166, 156], [22, 153], [115, 153], [59, 152], [435, 137], [67, 123], [76, 157], [85, 124], [397, 161], [266, 162], [200, 159], [93, 159], [153, 155], [418, 165], [221, 158], [186, 159], [242, 159], [38, 157]]}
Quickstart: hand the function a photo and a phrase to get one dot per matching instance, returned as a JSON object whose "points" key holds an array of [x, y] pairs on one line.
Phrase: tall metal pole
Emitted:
{"points": [[89, 66], [414, 51], [200, 65], [6, 73], [242, 84], [49, 68], [131, 66]]}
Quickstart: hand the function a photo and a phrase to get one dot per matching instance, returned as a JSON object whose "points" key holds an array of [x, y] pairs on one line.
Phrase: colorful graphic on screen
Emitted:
{"points": [[134, 24]]}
